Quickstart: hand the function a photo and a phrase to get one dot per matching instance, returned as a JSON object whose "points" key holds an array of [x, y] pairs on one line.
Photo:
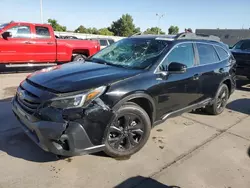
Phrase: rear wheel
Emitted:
{"points": [[128, 132], [79, 57], [220, 101]]}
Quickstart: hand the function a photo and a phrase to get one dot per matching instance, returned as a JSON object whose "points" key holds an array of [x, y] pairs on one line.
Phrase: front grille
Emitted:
{"points": [[27, 100]]}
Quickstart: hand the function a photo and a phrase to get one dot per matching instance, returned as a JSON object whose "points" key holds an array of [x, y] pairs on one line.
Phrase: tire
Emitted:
{"points": [[248, 77], [79, 57], [132, 136], [220, 101]]}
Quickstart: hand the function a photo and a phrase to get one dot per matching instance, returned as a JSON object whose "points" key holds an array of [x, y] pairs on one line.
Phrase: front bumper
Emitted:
{"points": [[66, 138]]}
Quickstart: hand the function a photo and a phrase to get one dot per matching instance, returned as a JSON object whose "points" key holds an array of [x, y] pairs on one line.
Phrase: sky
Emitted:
{"points": [[101, 13]]}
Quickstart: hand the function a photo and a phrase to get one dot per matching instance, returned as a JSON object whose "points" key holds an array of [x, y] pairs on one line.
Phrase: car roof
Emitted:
{"points": [[172, 39], [28, 23], [102, 38]]}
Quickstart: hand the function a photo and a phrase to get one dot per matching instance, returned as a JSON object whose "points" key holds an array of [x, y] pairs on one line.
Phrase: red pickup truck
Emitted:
{"points": [[28, 44]]}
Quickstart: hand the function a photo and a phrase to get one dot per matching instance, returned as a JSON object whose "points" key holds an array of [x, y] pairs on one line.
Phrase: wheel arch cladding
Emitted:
{"points": [[228, 84], [143, 100], [145, 104]]}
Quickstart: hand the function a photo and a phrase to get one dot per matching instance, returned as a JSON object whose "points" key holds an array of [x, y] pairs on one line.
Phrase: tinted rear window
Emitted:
{"points": [[103, 43], [111, 41], [42, 32], [222, 53], [207, 54]]}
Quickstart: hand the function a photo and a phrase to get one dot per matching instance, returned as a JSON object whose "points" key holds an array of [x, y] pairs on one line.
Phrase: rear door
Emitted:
{"points": [[212, 69], [17, 48], [44, 44]]}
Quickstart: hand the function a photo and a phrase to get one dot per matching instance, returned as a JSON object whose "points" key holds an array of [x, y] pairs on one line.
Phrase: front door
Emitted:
{"points": [[17, 48], [45, 45], [177, 91]]}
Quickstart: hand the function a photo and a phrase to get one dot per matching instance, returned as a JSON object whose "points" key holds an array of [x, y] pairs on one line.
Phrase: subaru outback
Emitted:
{"points": [[112, 100]]}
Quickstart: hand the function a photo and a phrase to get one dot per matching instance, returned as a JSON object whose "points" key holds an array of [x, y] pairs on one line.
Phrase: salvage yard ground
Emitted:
{"points": [[194, 150]]}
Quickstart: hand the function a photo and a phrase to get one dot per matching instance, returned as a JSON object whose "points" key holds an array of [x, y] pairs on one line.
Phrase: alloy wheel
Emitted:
{"points": [[222, 99], [125, 132]]}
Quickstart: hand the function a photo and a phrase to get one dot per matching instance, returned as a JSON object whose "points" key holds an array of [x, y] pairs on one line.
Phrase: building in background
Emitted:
{"points": [[228, 36]]}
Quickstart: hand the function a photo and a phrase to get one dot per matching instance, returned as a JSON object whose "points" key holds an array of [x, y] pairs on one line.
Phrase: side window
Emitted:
{"points": [[207, 54], [42, 32], [222, 53], [182, 53], [103, 42], [111, 41], [20, 31]]}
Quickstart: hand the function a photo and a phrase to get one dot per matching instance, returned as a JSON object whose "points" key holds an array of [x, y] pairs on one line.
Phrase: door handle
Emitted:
{"points": [[221, 70], [29, 42], [196, 77], [50, 43]]}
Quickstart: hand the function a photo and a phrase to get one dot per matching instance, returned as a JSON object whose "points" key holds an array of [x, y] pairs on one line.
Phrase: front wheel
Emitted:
{"points": [[128, 132], [220, 101]]}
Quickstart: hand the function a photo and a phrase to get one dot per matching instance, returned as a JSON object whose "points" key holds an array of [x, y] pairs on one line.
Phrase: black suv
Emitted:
{"points": [[241, 52], [112, 100]]}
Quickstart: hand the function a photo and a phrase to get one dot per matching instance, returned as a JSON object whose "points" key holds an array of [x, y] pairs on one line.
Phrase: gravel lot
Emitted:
{"points": [[194, 150]]}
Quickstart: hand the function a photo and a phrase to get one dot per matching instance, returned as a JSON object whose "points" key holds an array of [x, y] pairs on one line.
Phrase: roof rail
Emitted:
{"points": [[197, 36], [139, 33]]}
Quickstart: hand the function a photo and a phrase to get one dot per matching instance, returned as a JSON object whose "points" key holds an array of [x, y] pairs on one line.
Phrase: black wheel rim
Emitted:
{"points": [[125, 132], [222, 99]]}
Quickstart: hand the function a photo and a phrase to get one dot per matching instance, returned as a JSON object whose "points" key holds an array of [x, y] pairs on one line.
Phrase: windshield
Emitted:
{"points": [[3, 25], [131, 53], [242, 45]]}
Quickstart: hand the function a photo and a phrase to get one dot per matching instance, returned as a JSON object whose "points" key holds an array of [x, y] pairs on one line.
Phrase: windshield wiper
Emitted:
{"points": [[101, 61]]}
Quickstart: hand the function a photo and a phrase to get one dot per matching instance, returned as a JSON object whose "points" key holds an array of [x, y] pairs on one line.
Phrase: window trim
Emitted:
{"points": [[156, 71]]}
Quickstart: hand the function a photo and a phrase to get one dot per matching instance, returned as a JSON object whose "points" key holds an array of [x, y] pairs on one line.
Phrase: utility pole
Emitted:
{"points": [[41, 10], [160, 16]]}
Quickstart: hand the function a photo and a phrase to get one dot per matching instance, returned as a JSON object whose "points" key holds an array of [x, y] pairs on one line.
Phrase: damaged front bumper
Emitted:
{"points": [[79, 131]]}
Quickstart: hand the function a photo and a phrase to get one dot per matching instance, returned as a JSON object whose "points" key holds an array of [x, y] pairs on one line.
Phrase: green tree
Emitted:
{"points": [[81, 29], [56, 26], [124, 26], [154, 30], [173, 30], [92, 30], [105, 31]]}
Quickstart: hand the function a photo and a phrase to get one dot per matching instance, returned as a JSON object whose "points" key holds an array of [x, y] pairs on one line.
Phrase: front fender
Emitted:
{"points": [[134, 96]]}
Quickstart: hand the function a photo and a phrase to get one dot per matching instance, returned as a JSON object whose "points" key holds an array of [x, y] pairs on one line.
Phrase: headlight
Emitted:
{"points": [[77, 100]]}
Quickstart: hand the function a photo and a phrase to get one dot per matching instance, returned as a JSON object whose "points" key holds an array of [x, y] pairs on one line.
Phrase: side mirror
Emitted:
{"points": [[177, 68], [7, 34]]}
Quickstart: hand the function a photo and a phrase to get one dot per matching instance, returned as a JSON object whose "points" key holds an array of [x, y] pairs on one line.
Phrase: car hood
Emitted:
{"points": [[79, 76]]}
